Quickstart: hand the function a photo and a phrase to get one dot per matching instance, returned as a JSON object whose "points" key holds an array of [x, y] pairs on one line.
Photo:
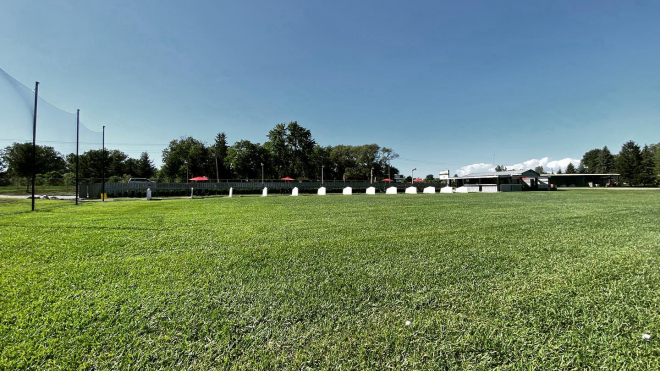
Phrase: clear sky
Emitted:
{"points": [[446, 84]]}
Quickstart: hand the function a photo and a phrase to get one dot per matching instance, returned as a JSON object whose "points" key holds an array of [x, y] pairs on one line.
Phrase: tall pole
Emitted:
{"points": [[322, 166], [103, 168], [412, 176], [262, 174], [34, 140], [217, 173], [372, 175], [77, 148]]}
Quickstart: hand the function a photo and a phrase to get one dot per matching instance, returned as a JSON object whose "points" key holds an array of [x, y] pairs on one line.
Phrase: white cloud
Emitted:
{"points": [[548, 165]]}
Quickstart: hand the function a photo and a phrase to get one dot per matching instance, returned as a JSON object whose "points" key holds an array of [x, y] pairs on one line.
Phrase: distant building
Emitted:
{"points": [[530, 180], [503, 181], [583, 180]]}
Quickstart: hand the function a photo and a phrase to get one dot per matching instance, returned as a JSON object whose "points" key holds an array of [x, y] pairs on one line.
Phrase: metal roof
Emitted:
{"points": [[499, 174], [551, 175]]}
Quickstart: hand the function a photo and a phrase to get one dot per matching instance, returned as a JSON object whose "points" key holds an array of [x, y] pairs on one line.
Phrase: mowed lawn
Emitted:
{"points": [[545, 280]]}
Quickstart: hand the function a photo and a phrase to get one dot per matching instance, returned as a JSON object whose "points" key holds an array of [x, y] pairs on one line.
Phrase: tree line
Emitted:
{"points": [[289, 151], [637, 166]]}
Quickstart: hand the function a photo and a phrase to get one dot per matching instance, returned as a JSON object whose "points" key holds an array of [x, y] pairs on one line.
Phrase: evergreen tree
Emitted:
{"points": [[539, 169], [647, 171], [605, 164], [581, 169], [144, 167], [220, 149], [629, 162], [570, 169]]}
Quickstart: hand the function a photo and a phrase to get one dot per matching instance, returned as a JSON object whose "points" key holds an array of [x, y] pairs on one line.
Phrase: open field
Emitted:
{"points": [[544, 280]]}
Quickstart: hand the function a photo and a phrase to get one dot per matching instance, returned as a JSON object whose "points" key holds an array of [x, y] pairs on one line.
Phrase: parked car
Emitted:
{"points": [[144, 181]]}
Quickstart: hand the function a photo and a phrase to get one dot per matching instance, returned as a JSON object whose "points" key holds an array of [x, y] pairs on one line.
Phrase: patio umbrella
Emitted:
{"points": [[387, 180], [418, 180], [287, 178], [199, 179]]}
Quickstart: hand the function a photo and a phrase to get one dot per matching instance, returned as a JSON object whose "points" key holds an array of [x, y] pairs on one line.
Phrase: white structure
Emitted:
{"points": [[371, 190], [429, 190], [461, 190], [390, 191], [191, 192], [348, 191], [294, 192], [322, 191], [148, 194], [265, 192], [231, 191], [411, 190], [446, 190]]}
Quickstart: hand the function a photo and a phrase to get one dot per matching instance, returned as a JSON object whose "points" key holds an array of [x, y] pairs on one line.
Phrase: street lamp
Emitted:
{"points": [[262, 174], [187, 177], [322, 166], [372, 175], [412, 176]]}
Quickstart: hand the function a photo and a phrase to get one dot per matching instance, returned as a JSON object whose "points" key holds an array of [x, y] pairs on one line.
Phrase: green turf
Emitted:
{"points": [[545, 280]]}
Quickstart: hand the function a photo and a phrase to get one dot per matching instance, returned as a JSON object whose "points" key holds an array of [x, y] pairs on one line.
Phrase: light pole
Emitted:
{"points": [[103, 167], [262, 174], [372, 175], [186, 162], [412, 176], [322, 166]]}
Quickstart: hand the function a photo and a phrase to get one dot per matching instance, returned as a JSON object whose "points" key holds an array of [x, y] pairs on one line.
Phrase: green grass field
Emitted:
{"points": [[545, 280]]}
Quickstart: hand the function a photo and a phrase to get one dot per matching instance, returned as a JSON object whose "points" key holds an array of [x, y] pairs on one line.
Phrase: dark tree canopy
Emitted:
{"points": [[629, 162], [186, 157], [570, 168], [18, 159]]}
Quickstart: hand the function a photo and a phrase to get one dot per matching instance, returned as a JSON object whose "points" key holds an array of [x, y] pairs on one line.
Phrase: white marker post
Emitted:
{"points": [[321, 191], [231, 191], [294, 192], [265, 192]]}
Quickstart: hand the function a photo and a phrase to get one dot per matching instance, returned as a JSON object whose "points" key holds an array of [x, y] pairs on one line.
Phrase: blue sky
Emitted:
{"points": [[447, 84]]}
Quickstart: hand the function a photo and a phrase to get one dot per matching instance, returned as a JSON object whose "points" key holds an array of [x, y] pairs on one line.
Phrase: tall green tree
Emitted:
{"points": [[570, 168], [144, 167], [628, 163], [18, 159], [590, 160], [245, 159], [186, 157], [647, 167], [220, 150], [655, 149], [581, 169], [539, 169], [279, 151], [605, 163]]}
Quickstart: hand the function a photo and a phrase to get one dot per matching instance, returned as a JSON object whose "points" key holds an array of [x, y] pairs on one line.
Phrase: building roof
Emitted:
{"points": [[500, 174], [551, 175]]}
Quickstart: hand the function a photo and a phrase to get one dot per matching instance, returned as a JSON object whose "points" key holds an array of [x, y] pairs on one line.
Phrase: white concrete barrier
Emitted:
{"points": [[461, 190], [231, 191], [446, 190], [348, 191], [429, 190], [294, 192], [390, 191], [265, 192], [371, 190], [322, 191], [411, 190]]}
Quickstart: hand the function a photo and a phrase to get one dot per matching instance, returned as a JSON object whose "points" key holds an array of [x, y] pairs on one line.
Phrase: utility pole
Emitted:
{"points": [[262, 174], [412, 176], [103, 168], [34, 140], [322, 166], [372, 175], [77, 148]]}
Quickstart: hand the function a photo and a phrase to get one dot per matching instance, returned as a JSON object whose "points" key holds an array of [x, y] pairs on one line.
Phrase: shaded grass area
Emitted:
{"points": [[541, 280]]}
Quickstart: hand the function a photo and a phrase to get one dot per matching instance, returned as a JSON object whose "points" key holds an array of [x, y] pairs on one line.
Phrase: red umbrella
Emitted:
{"points": [[199, 179], [387, 180], [418, 180], [287, 178]]}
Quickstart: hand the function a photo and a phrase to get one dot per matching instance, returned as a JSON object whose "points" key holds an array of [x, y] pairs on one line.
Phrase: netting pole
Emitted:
{"points": [[34, 140], [103, 168], [77, 147]]}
